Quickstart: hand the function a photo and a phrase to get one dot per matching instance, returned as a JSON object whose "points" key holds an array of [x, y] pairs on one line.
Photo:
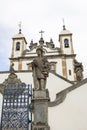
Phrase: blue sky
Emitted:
{"points": [[46, 15]]}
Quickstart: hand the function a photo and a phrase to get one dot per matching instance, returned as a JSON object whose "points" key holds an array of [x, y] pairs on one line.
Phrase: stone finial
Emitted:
{"points": [[64, 25], [19, 27]]}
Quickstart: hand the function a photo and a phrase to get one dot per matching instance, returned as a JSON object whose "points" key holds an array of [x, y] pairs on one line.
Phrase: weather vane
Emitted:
{"points": [[19, 27], [41, 33]]}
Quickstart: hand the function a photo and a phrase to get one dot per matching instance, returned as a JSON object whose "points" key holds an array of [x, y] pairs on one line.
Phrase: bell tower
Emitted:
{"points": [[67, 54], [19, 44], [65, 39]]}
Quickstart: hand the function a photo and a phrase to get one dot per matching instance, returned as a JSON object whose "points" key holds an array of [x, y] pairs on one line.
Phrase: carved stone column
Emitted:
{"points": [[40, 108]]}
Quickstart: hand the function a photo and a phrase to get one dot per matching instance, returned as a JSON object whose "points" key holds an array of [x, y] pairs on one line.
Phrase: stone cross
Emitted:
{"points": [[41, 33], [19, 27]]}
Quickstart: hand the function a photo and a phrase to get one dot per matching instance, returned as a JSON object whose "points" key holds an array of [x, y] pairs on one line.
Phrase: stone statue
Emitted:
{"points": [[12, 67], [78, 68], [40, 67]]}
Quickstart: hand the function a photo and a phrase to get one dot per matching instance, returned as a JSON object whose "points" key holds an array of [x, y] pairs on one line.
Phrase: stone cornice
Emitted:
{"points": [[12, 79], [48, 56], [20, 38], [65, 34]]}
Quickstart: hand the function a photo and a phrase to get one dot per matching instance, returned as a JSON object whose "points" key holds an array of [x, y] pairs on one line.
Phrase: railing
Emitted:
{"points": [[16, 114]]}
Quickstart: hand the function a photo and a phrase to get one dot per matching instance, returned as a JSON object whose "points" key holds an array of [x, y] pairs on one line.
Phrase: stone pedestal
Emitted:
{"points": [[40, 108]]}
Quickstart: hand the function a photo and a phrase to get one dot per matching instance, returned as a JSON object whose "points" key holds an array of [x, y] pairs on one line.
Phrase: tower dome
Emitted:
{"points": [[65, 31], [19, 35]]}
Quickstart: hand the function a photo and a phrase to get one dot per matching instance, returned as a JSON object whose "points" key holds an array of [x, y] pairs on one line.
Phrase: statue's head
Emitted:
{"points": [[39, 50]]}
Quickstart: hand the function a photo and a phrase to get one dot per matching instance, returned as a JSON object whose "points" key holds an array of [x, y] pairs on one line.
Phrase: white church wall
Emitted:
{"points": [[72, 113], [15, 65], [69, 64], [24, 64], [55, 85], [59, 67], [3, 76], [26, 77], [23, 76]]}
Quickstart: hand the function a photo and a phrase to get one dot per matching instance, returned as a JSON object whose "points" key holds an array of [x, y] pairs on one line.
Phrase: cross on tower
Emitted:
{"points": [[19, 27], [63, 24], [41, 33]]}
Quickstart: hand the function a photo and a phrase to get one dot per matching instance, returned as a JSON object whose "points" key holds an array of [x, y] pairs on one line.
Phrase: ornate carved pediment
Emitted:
{"points": [[12, 79]]}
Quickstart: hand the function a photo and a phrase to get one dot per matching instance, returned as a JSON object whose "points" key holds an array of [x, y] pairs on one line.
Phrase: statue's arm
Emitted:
{"points": [[33, 64]]}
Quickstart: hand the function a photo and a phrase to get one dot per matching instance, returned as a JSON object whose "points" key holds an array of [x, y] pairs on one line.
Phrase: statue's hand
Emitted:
{"points": [[45, 73]]}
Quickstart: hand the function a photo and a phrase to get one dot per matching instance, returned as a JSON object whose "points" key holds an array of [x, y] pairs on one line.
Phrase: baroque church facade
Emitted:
{"points": [[65, 71], [62, 59]]}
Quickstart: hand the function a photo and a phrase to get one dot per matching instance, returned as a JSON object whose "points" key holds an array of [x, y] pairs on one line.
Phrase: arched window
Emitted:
{"points": [[17, 46], [53, 66], [66, 43], [69, 72]]}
